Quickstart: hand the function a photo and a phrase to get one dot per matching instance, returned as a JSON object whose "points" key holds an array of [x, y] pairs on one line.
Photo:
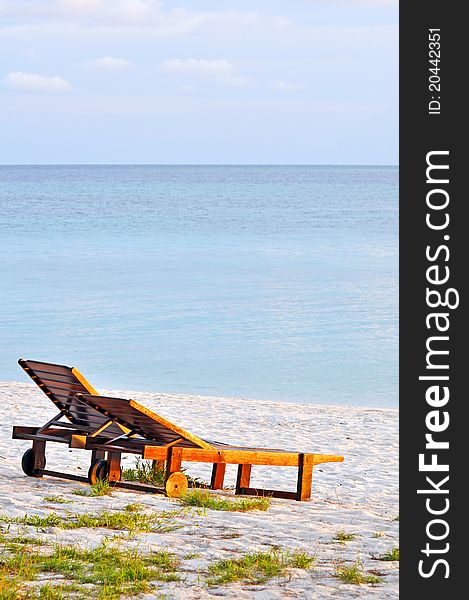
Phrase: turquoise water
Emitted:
{"points": [[269, 282]]}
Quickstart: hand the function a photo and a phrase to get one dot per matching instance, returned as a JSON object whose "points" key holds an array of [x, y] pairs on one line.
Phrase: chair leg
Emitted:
{"points": [[39, 449], [243, 479], [173, 462], [97, 455], [218, 476], [114, 459], [305, 477]]}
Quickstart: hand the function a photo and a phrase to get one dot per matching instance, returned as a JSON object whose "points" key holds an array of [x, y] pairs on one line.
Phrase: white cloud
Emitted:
{"points": [[285, 86], [197, 66], [110, 63], [218, 69], [122, 17], [30, 82], [122, 10]]}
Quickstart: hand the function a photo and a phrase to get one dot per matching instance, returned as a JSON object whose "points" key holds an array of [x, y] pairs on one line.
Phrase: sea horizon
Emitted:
{"points": [[83, 164]]}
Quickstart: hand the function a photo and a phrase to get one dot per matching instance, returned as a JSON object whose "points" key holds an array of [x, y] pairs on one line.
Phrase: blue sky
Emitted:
{"points": [[148, 81]]}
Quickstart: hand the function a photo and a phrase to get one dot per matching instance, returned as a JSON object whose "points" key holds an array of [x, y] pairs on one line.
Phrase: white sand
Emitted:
{"points": [[359, 496]]}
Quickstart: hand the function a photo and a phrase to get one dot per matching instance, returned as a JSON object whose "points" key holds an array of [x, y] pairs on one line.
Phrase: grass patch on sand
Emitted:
{"points": [[392, 554], [115, 571], [150, 472], [145, 471], [101, 488], [257, 567], [16, 566], [343, 536], [110, 571], [204, 499], [132, 521], [59, 591], [355, 575], [56, 500], [13, 543], [133, 507]]}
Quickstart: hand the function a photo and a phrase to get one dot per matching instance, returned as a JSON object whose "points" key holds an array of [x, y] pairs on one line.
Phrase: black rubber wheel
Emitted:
{"points": [[98, 471], [27, 463]]}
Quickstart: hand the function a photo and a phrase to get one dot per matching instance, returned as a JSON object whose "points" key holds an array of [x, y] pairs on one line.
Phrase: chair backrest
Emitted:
{"points": [[61, 384], [143, 421]]}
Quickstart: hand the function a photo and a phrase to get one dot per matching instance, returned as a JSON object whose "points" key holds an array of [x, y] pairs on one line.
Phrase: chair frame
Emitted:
{"points": [[170, 456]]}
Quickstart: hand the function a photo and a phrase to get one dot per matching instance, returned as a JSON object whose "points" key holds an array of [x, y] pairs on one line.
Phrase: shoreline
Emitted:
{"points": [[358, 496], [126, 393]]}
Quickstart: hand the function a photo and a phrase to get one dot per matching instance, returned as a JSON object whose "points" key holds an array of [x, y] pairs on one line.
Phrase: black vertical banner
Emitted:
{"points": [[434, 252]]}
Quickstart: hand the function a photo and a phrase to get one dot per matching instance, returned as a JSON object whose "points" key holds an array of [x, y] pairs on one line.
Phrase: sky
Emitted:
{"points": [[199, 82]]}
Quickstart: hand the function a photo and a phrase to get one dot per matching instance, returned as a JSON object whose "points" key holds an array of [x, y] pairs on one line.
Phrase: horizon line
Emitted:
{"points": [[197, 165]]}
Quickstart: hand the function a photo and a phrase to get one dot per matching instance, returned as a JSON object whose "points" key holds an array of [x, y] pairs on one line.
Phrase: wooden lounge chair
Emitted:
{"points": [[109, 427], [153, 437], [61, 385]]}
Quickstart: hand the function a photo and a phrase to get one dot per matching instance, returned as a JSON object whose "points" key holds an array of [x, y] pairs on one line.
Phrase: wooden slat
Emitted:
{"points": [[52, 377], [63, 384], [143, 421], [60, 386], [84, 382], [120, 446], [288, 459], [157, 452], [44, 367], [19, 431], [42, 437], [104, 441]]}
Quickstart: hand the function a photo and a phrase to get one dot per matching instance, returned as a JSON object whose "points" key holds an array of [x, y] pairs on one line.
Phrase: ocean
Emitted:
{"points": [[264, 282]]}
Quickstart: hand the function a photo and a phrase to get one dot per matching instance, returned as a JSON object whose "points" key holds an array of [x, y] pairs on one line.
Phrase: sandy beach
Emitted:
{"points": [[358, 497]]}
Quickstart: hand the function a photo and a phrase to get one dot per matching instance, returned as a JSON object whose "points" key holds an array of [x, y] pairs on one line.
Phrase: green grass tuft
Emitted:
{"points": [[23, 540], [149, 472], [117, 572], [191, 555], [109, 571], [342, 536], [204, 499], [56, 500], [50, 520], [51, 592], [133, 507], [257, 567], [101, 488], [390, 555], [355, 575], [125, 520], [145, 471]]}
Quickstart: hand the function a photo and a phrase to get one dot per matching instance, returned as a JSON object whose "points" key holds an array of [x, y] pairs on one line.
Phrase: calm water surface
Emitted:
{"points": [[258, 281]]}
